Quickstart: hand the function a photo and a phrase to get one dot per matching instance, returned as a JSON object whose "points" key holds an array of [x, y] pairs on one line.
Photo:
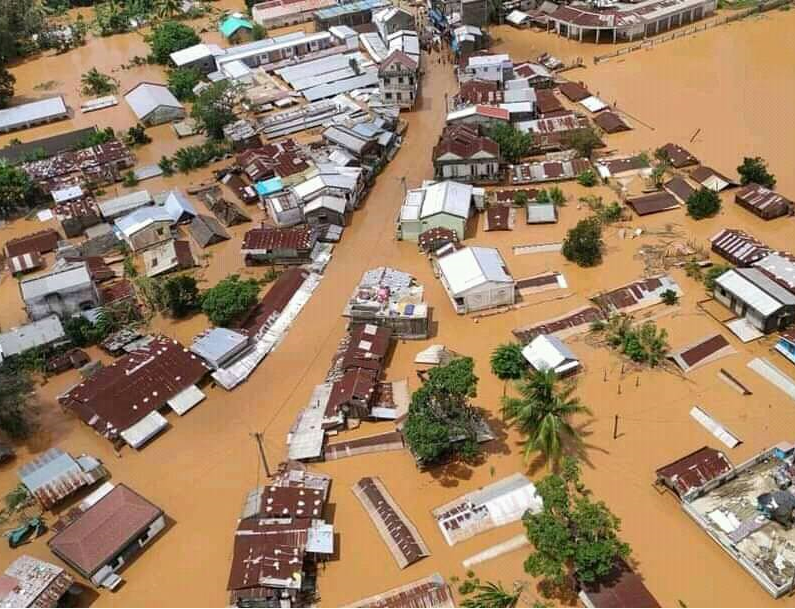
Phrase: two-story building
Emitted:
{"points": [[398, 80], [465, 155]]}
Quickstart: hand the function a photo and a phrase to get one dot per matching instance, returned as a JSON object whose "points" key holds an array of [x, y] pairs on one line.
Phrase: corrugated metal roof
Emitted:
{"points": [[68, 277], [747, 288], [217, 344], [195, 53], [368, 79], [35, 334], [113, 208], [447, 197], [43, 109], [472, 267], [141, 218], [146, 97]]}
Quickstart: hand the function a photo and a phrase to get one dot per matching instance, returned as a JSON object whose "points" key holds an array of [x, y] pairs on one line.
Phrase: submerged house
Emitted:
{"points": [[268, 245], [476, 279], [111, 527], [757, 298], [46, 332], [55, 475], [765, 203], [548, 352], [153, 104], [398, 80], [445, 204], [145, 227], [463, 154], [786, 345], [63, 291], [122, 402], [30, 582]]}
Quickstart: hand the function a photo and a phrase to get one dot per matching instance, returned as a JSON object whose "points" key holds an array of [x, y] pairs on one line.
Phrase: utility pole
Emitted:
{"points": [[258, 437]]}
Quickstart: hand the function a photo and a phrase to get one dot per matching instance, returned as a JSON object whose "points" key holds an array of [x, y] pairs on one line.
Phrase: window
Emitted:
{"points": [[388, 95], [160, 232], [400, 80]]}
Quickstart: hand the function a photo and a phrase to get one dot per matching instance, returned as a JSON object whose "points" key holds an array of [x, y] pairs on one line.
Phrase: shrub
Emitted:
{"points": [[703, 203], [754, 169], [587, 178], [583, 243], [181, 82], [229, 299], [169, 37]]}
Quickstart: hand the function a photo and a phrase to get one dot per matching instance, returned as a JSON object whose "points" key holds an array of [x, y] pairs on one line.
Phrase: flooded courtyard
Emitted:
{"points": [[724, 94]]}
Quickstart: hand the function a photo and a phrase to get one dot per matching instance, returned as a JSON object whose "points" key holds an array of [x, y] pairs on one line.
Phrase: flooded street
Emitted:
{"points": [[733, 83]]}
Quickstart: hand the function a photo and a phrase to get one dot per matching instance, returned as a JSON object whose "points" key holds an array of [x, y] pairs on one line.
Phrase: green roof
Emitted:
{"points": [[232, 24]]}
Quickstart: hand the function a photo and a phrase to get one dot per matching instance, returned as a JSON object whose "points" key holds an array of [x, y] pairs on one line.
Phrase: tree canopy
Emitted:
{"points": [[19, 21], [574, 539], [441, 422], [17, 190], [180, 295], [17, 411], [213, 109], [169, 37], [703, 203], [754, 169], [514, 144], [181, 82], [507, 361], [229, 299], [583, 243], [7, 82], [584, 141]]}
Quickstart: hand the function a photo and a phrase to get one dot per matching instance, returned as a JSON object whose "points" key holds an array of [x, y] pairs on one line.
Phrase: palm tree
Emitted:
{"points": [[543, 414], [95, 82], [493, 595], [166, 9]]}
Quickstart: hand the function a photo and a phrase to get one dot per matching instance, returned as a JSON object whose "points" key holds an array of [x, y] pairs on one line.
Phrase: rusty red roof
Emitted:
{"points": [[124, 392], [275, 299], [622, 587], [104, 529], [493, 112], [678, 156], [763, 201], [464, 141], [398, 58], [694, 470], [40, 242], [269, 238], [574, 92], [480, 92], [610, 122]]}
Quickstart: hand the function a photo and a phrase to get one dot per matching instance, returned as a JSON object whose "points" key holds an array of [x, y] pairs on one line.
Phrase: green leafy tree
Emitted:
{"points": [[713, 273], [658, 175], [130, 179], [490, 594], [17, 190], [644, 344], [181, 295], [18, 413], [166, 166], [258, 32], [556, 196], [214, 108], [167, 9], [441, 422], [583, 141], [136, 136], [7, 82], [19, 21], [95, 82], [543, 196], [228, 300], [587, 178], [521, 198], [543, 415], [703, 203], [514, 144], [754, 170], [575, 540], [181, 82], [169, 37], [111, 17], [670, 298], [507, 361], [583, 243]]}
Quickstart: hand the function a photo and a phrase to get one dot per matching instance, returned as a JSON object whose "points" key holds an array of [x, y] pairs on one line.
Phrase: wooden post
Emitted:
{"points": [[258, 438], [615, 427]]}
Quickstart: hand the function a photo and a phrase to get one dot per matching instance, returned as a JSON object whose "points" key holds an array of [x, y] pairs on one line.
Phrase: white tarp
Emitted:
{"points": [[145, 429], [770, 372], [715, 428], [186, 399]]}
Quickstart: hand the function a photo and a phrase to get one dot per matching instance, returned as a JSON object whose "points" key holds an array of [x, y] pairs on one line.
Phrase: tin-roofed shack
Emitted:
{"points": [[30, 582], [390, 298], [765, 203], [40, 242], [738, 247], [55, 475], [677, 156], [266, 245], [122, 400], [692, 473]]}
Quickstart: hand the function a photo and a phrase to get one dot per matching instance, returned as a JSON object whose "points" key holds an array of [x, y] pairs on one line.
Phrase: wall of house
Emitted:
{"points": [[163, 114], [466, 171], [128, 552], [285, 218], [488, 296], [324, 216], [63, 303], [151, 235], [447, 221]]}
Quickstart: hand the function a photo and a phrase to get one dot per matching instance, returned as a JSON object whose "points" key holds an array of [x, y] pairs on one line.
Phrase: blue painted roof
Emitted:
{"points": [[266, 187], [232, 24]]}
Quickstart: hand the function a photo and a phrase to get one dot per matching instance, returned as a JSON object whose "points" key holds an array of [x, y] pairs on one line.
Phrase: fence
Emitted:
{"points": [[681, 33]]}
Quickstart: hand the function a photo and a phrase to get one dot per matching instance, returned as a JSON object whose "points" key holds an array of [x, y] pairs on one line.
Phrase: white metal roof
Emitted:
{"points": [[177, 204], [144, 430], [216, 344], [479, 61], [781, 267], [35, 334], [32, 112], [253, 49], [548, 351], [472, 267], [593, 103], [195, 53], [141, 218], [517, 17], [336, 204], [447, 197], [750, 293], [186, 399], [66, 194], [146, 97], [70, 276], [120, 205]]}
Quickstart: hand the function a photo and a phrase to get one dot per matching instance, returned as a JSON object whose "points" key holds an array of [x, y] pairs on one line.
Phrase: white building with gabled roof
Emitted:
{"points": [[548, 352], [153, 104], [476, 278], [445, 204]]}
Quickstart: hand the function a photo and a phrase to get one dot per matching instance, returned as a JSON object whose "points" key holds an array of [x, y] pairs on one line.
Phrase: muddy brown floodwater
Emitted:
{"points": [[735, 83]]}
